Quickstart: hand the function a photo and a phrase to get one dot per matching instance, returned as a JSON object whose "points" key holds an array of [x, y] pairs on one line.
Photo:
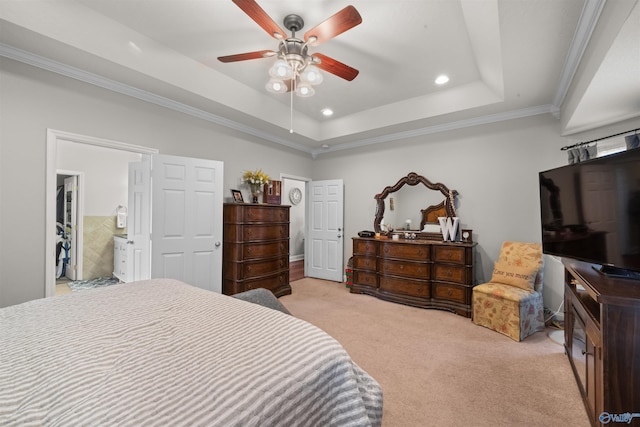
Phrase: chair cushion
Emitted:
{"points": [[523, 276], [500, 291], [512, 311]]}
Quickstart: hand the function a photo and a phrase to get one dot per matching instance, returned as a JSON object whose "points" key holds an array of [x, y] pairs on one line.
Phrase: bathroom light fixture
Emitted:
{"points": [[327, 112]]}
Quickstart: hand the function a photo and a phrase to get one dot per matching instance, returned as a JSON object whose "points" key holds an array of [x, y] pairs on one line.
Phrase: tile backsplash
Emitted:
{"points": [[98, 246]]}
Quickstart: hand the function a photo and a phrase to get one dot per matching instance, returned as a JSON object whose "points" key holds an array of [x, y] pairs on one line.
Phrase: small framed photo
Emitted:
{"points": [[237, 196], [466, 236]]}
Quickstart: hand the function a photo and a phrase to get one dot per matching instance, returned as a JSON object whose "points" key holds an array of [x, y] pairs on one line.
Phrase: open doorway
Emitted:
{"points": [[294, 194], [95, 203], [69, 227]]}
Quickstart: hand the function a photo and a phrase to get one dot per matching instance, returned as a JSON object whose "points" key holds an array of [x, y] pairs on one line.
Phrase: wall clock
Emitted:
{"points": [[295, 195]]}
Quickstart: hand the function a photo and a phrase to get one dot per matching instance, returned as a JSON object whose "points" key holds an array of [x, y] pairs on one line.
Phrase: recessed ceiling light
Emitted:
{"points": [[327, 112], [442, 79], [325, 146]]}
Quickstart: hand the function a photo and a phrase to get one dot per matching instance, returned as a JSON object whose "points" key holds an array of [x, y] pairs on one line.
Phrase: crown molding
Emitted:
{"points": [[445, 127], [124, 89], [586, 25]]}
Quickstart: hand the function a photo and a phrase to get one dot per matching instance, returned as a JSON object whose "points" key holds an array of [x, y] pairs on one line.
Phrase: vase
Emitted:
{"points": [[255, 193]]}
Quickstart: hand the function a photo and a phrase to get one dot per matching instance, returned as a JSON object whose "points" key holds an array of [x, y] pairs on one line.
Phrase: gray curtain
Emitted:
{"points": [[581, 154], [633, 141]]}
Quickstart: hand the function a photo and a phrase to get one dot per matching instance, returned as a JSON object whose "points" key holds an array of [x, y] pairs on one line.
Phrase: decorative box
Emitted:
{"points": [[272, 193]]}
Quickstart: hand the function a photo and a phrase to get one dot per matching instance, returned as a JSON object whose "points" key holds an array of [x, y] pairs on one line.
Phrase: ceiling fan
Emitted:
{"points": [[295, 67]]}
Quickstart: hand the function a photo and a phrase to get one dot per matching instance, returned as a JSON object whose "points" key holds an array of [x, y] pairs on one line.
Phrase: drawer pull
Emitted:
{"points": [[449, 292]]}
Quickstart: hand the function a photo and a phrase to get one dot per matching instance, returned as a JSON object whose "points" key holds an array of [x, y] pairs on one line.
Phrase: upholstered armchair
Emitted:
{"points": [[511, 303]]}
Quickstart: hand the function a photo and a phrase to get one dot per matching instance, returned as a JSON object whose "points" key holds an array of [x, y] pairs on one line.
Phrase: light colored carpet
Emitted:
{"points": [[439, 369]]}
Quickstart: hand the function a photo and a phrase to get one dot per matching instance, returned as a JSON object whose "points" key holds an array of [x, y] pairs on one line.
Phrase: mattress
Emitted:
{"points": [[161, 352]]}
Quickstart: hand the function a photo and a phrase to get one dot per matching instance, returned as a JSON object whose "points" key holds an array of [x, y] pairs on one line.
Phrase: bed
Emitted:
{"points": [[161, 352]]}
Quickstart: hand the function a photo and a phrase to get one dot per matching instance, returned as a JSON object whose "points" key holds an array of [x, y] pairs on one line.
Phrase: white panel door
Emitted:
{"points": [[324, 249], [186, 226], [139, 221]]}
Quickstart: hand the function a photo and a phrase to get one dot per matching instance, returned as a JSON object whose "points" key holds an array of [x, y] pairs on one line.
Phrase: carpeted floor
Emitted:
{"points": [[439, 369]]}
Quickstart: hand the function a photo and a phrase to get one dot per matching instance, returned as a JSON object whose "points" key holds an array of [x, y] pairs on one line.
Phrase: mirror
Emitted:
{"points": [[413, 202]]}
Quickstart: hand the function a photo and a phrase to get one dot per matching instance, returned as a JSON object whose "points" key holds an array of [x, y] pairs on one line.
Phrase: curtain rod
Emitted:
{"points": [[579, 144]]}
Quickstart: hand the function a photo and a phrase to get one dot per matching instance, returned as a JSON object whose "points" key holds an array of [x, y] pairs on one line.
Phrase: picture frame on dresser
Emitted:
{"points": [[466, 236], [237, 196]]}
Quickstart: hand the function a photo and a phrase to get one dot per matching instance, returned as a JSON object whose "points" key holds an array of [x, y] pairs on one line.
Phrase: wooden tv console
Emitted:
{"points": [[421, 273], [602, 341]]}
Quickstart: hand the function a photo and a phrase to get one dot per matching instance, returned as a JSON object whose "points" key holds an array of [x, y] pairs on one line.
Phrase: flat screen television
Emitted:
{"points": [[590, 211]]}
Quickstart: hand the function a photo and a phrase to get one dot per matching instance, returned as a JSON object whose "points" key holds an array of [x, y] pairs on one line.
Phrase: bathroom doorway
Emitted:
{"points": [[69, 224]]}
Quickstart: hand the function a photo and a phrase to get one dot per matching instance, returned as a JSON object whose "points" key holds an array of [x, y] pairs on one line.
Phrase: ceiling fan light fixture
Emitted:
{"points": [[276, 86], [311, 75], [304, 90], [281, 70]]}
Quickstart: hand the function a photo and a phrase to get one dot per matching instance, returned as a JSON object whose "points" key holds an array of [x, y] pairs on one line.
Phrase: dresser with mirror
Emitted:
{"points": [[407, 261]]}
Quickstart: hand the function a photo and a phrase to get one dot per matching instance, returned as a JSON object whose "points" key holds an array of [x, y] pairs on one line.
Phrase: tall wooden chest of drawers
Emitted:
{"points": [[256, 248], [421, 273]]}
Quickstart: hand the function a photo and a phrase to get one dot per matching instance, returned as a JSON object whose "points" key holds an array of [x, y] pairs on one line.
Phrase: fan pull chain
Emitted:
{"points": [[293, 88]]}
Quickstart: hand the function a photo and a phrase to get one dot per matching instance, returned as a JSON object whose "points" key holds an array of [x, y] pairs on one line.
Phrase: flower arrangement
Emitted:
{"points": [[255, 180], [256, 177]]}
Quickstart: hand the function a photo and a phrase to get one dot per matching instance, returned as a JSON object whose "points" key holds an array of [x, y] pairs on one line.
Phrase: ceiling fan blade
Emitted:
{"points": [[335, 67], [244, 56], [255, 12], [335, 25]]}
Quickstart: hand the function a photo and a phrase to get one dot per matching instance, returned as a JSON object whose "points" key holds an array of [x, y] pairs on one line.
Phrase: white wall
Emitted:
{"points": [[33, 100], [105, 171]]}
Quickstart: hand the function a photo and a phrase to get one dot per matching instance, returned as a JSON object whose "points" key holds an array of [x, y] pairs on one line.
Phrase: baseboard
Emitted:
{"points": [[296, 270]]}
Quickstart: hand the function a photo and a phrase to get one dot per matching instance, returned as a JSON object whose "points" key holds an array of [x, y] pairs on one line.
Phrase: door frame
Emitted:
{"points": [[53, 136]]}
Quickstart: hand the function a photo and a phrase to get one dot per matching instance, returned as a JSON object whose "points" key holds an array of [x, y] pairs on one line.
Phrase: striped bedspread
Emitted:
{"points": [[163, 353]]}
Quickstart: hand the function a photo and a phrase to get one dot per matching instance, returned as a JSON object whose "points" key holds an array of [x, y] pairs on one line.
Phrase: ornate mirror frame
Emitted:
{"points": [[429, 214]]}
